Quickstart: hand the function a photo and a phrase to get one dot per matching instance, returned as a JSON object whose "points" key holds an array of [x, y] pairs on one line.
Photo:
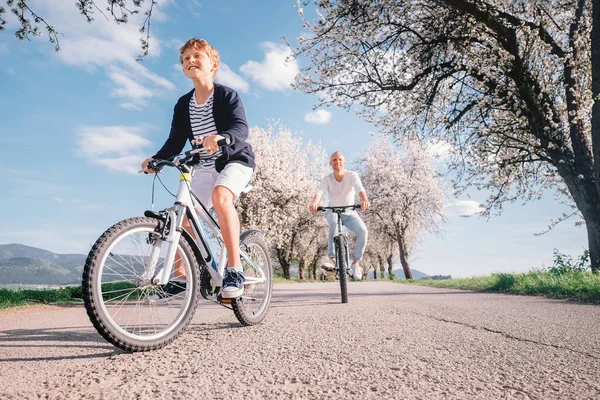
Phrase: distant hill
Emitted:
{"points": [[20, 264], [399, 273]]}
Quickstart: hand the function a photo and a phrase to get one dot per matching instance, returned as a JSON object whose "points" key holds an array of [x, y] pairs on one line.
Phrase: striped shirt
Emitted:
{"points": [[203, 124]]}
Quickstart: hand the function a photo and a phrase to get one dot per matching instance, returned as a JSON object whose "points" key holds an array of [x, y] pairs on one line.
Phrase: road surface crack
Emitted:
{"points": [[512, 337]]}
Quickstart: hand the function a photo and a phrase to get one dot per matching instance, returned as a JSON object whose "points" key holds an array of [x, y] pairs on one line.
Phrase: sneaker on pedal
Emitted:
{"points": [[328, 266], [173, 289], [356, 271], [233, 284]]}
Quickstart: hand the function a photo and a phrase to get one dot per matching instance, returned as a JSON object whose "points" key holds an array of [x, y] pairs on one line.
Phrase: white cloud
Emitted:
{"points": [[119, 148], [318, 117], [127, 87], [229, 78], [106, 46], [275, 72], [130, 164], [463, 208]]}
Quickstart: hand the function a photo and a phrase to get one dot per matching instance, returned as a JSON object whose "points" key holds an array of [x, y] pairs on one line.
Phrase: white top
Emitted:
{"points": [[203, 124], [341, 193]]}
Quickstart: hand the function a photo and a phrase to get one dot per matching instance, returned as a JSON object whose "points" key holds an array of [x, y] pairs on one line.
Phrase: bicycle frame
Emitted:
{"points": [[188, 205], [339, 232]]}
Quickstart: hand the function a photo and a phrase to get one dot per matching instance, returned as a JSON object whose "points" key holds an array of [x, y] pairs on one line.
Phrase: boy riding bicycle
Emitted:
{"points": [[208, 113], [342, 186]]}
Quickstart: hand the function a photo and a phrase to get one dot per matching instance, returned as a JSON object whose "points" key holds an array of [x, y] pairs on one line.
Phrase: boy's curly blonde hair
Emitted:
{"points": [[202, 45]]}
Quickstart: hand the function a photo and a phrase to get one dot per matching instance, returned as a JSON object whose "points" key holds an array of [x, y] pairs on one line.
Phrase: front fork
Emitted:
{"points": [[172, 228]]}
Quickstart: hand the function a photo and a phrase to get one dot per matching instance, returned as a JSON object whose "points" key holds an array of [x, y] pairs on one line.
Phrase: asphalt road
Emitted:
{"points": [[390, 341]]}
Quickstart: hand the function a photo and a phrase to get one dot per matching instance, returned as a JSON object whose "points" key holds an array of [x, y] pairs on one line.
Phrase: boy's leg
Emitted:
{"points": [[230, 183], [230, 224]]}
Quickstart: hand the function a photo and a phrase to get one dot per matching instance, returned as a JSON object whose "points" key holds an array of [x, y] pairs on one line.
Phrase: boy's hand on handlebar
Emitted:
{"points": [[145, 168], [313, 207], [210, 143]]}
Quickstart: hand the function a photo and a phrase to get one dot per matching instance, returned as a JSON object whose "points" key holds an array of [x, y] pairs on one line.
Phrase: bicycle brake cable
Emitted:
{"points": [[163, 185]]}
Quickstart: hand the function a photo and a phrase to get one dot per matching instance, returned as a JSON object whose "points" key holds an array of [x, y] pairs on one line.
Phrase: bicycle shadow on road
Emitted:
{"points": [[35, 342], [284, 296]]}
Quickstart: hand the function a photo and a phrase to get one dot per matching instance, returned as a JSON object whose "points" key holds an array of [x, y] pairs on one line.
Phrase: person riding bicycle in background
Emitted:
{"points": [[208, 113], [342, 186]]}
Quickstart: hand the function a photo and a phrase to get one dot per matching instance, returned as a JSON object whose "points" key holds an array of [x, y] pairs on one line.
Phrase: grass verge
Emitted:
{"points": [[574, 284], [22, 297], [569, 284]]}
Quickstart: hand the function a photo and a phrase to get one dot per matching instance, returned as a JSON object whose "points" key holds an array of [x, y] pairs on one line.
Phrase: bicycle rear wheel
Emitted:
{"points": [[341, 251], [251, 308], [123, 303]]}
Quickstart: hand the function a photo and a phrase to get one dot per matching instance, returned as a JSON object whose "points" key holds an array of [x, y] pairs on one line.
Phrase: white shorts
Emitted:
{"points": [[234, 177]]}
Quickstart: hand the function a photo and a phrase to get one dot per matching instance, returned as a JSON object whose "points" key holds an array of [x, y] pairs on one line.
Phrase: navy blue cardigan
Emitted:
{"points": [[230, 120]]}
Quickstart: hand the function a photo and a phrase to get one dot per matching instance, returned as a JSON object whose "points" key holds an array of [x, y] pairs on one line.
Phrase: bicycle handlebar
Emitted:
{"points": [[179, 159], [339, 208]]}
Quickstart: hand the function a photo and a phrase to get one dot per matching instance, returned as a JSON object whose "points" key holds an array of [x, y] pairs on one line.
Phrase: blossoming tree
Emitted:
{"points": [[285, 180], [406, 200], [29, 21], [514, 86]]}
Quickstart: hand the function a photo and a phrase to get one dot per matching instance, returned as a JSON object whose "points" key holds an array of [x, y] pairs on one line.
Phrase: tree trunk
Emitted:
{"points": [[374, 271], [404, 258], [313, 264], [593, 228], [282, 257], [592, 224], [595, 45], [390, 266], [381, 265], [301, 268]]}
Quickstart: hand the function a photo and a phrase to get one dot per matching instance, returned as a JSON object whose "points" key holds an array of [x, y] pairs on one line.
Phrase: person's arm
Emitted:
{"points": [[176, 140], [364, 200], [320, 191], [315, 203], [237, 131], [362, 193]]}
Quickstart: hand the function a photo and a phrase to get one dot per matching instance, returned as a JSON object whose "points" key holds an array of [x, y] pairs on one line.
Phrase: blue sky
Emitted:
{"points": [[75, 126]]}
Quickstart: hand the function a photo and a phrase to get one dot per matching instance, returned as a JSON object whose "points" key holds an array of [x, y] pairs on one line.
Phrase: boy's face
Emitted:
{"points": [[197, 64]]}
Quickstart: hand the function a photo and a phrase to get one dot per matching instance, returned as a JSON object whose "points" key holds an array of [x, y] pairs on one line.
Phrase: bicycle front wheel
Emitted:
{"points": [[251, 308], [341, 251], [124, 304]]}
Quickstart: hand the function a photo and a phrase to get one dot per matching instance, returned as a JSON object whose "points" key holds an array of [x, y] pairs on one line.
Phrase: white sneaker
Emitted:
{"points": [[356, 271], [328, 266]]}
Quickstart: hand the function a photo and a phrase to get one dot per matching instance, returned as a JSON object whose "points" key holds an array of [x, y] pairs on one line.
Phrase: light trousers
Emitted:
{"points": [[354, 224]]}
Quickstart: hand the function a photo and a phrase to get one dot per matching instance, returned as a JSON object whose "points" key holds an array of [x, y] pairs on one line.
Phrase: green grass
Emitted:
{"points": [[570, 284], [554, 283], [23, 297]]}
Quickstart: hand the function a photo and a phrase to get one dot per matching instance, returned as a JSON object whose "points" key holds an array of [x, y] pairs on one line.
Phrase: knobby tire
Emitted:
{"points": [[132, 321], [342, 264], [251, 308]]}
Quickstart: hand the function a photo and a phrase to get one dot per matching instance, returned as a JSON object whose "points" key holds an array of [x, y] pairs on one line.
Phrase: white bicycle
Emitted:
{"points": [[340, 243], [132, 266]]}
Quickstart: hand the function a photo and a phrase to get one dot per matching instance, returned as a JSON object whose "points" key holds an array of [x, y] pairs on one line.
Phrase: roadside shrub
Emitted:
{"points": [[564, 263]]}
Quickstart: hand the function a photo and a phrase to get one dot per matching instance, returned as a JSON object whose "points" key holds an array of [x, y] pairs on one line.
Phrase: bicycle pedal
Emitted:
{"points": [[222, 300]]}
